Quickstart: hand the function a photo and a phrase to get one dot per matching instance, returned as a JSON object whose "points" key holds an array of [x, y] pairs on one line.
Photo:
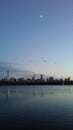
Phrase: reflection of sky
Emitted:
{"points": [[41, 44]]}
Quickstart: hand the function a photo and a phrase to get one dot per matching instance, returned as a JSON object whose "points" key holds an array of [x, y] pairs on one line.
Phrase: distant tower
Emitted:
{"points": [[7, 76]]}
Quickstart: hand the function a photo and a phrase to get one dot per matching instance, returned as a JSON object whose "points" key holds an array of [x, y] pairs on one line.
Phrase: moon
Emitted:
{"points": [[41, 16]]}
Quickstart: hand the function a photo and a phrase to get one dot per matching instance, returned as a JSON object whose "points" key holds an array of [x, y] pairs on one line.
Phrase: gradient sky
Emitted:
{"points": [[38, 35]]}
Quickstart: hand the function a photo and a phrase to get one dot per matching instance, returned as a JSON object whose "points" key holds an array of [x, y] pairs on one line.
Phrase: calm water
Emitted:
{"points": [[36, 107]]}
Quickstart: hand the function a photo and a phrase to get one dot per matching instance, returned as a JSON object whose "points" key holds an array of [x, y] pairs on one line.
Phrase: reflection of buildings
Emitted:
{"points": [[7, 94], [36, 92], [42, 93], [33, 92]]}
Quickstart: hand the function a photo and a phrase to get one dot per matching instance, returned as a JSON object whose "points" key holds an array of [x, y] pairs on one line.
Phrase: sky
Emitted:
{"points": [[38, 35]]}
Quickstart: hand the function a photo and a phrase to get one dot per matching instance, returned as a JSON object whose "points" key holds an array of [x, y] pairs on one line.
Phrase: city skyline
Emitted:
{"points": [[38, 35]]}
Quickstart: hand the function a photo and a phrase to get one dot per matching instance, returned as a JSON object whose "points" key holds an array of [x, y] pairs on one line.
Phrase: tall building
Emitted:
{"points": [[68, 79], [41, 77]]}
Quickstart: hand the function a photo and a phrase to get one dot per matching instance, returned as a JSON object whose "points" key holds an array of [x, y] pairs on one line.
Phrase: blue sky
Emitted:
{"points": [[39, 44]]}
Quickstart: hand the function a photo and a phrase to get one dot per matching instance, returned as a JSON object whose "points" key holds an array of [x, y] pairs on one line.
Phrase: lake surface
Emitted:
{"points": [[36, 107]]}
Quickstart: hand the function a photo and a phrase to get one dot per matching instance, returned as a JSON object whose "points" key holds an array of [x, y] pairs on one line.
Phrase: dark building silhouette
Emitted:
{"points": [[33, 78], [68, 79], [41, 77], [51, 78]]}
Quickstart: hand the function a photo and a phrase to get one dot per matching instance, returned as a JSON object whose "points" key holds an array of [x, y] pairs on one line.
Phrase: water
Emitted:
{"points": [[36, 107]]}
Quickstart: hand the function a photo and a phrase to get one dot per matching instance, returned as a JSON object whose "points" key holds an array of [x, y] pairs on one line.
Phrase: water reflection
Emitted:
{"points": [[41, 107], [7, 95], [42, 92], [37, 91], [33, 92]]}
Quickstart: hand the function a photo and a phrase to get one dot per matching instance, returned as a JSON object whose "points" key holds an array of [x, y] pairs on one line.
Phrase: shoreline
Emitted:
{"points": [[7, 83]]}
